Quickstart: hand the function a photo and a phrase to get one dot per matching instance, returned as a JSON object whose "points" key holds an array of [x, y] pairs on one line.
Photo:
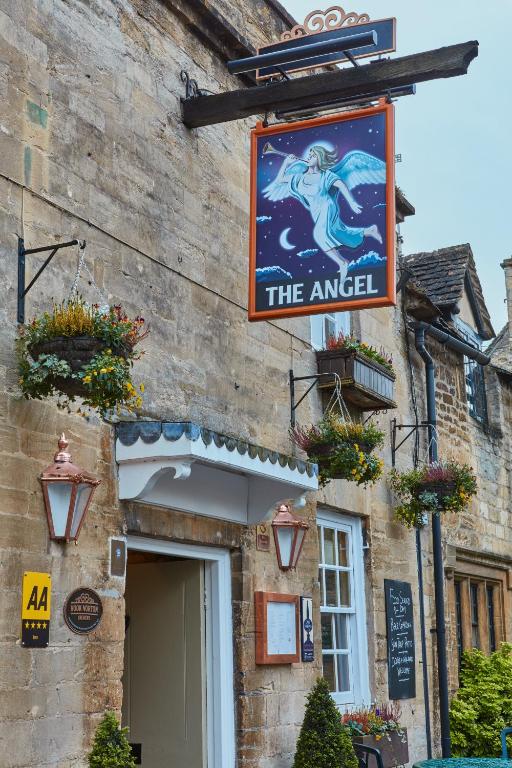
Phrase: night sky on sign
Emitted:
{"points": [[284, 228]]}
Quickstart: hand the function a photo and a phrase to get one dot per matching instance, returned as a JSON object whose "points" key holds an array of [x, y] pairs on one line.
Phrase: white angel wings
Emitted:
{"points": [[355, 168]]}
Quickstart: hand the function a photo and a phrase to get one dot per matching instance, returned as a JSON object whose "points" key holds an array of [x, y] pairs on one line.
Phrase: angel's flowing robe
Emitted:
{"points": [[315, 192]]}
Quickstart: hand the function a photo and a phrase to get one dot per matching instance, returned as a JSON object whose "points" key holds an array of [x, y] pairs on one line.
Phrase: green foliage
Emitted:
{"points": [[108, 383], [37, 376], [323, 742], [482, 706], [341, 449], [414, 501], [111, 748]]}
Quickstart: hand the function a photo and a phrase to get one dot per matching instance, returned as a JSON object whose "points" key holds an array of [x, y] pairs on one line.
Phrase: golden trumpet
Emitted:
{"points": [[268, 149]]}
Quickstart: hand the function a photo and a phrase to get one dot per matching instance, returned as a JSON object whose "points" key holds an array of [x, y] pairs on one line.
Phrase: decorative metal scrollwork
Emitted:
{"points": [[192, 90], [325, 21]]}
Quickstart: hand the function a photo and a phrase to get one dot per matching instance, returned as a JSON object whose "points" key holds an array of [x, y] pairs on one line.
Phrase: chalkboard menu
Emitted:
{"points": [[400, 633]]}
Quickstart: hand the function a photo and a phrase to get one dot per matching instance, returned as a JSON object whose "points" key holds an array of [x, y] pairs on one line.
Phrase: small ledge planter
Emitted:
{"points": [[393, 747], [365, 383]]}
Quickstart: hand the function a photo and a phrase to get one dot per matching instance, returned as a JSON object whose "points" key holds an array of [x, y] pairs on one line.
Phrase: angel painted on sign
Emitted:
{"points": [[316, 183]]}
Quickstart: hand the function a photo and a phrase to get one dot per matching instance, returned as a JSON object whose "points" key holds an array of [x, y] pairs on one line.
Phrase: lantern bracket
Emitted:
{"points": [[295, 404], [22, 252], [395, 428]]}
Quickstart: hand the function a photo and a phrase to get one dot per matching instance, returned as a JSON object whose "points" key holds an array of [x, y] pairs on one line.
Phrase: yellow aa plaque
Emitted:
{"points": [[35, 609]]}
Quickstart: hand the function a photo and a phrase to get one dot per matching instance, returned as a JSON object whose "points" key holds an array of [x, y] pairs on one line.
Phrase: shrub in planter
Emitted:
{"points": [[379, 727], [442, 487], [323, 742], [342, 450], [351, 344], [482, 706], [81, 351], [111, 748]]}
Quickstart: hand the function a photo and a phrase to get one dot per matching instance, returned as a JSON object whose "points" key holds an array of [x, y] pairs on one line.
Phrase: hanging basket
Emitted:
{"points": [[77, 351], [443, 490]]}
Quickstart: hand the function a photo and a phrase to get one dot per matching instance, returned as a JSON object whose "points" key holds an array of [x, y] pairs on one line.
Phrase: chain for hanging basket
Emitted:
{"points": [[81, 265]]}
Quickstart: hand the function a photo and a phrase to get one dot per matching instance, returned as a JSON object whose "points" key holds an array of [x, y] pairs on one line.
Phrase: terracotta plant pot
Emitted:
{"points": [[393, 747], [442, 489]]}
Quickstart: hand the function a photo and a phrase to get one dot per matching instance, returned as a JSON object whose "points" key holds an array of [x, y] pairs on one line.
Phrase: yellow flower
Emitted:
{"points": [[356, 446], [354, 471], [110, 369], [142, 388], [87, 379], [103, 370], [95, 373], [139, 402]]}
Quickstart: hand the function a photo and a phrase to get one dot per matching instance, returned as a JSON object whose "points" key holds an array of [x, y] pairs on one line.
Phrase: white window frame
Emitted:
{"points": [[220, 705], [359, 695], [340, 320]]}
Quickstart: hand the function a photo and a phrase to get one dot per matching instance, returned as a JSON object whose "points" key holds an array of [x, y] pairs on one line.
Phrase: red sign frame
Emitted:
{"points": [[389, 299]]}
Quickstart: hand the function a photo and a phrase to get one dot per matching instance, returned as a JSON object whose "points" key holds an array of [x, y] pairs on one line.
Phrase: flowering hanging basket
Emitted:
{"points": [[441, 487], [342, 450], [81, 351]]}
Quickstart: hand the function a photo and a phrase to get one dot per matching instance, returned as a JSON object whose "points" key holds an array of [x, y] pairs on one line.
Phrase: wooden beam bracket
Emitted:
{"points": [[298, 93]]}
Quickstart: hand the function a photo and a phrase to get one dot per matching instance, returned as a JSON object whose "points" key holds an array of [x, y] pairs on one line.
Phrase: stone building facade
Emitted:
{"points": [[93, 147]]}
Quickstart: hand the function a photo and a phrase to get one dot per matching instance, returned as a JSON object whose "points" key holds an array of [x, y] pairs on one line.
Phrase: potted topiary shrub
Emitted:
{"points": [[110, 748], [440, 487], [77, 350], [342, 449], [323, 742], [379, 727]]}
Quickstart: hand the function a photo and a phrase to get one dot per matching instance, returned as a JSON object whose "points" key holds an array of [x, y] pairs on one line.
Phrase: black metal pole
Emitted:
{"points": [[437, 551], [299, 53], [421, 595], [292, 398], [21, 280]]}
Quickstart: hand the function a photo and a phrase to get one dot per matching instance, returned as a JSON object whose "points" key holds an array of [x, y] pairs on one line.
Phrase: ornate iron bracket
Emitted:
{"points": [[22, 252], [413, 428], [294, 405], [192, 90]]}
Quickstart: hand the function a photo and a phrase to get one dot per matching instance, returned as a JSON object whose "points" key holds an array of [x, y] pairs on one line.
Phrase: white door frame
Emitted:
{"points": [[220, 726]]}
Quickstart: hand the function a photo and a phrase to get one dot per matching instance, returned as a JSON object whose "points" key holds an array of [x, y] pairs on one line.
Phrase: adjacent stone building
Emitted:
{"points": [[92, 146]]}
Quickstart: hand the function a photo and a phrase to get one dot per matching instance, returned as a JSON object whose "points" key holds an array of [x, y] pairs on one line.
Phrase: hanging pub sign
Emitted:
{"points": [[322, 232], [400, 634]]}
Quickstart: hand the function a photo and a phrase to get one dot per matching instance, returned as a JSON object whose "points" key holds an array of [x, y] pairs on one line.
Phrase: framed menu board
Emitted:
{"points": [[400, 633], [277, 628]]}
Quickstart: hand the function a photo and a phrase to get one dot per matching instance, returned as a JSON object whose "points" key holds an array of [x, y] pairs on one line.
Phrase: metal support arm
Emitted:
{"points": [[294, 405], [22, 252]]}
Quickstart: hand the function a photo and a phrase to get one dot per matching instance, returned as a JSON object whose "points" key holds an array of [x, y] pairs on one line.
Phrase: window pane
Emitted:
{"points": [[343, 673], [458, 616], [475, 634], [490, 615], [345, 589], [328, 662], [330, 588], [327, 634], [329, 539], [341, 626], [322, 590], [342, 548]]}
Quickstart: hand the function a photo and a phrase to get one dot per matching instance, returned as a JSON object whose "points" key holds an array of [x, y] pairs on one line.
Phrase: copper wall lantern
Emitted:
{"points": [[289, 534], [67, 491]]}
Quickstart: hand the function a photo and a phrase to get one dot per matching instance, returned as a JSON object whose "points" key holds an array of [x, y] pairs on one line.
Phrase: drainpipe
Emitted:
{"points": [[420, 331]]}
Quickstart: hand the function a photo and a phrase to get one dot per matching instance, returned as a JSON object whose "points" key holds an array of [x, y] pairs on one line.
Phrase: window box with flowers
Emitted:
{"points": [[77, 350], [342, 449], [366, 375], [441, 487], [379, 727]]}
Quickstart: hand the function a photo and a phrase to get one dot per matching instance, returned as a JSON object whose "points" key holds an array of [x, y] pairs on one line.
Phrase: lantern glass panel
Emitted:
{"points": [[285, 538], [301, 532], [83, 493], [59, 495]]}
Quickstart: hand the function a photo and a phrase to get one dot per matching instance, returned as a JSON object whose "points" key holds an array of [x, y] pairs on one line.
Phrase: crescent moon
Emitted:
{"points": [[284, 242]]}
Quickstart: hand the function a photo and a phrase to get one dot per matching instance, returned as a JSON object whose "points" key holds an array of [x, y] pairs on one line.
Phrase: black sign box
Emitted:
{"points": [[400, 634]]}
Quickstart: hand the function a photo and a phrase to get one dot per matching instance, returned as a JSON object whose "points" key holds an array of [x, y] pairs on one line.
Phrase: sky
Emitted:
{"points": [[454, 135]]}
